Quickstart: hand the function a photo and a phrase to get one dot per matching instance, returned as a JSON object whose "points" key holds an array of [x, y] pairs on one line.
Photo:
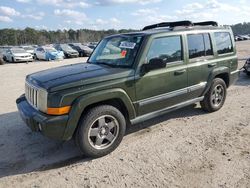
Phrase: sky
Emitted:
{"points": [[117, 14]]}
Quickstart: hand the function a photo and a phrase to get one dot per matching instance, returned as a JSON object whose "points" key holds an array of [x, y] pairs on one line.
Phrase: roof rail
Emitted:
{"points": [[206, 23], [185, 23], [168, 24]]}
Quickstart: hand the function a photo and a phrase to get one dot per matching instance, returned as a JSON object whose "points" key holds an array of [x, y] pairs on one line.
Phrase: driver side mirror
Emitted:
{"points": [[154, 64]]}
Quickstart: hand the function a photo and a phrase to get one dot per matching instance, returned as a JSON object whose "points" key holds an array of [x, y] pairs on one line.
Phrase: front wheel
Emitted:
{"points": [[215, 97], [100, 131]]}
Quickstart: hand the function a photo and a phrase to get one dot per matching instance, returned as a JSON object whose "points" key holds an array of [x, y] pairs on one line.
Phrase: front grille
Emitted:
{"points": [[31, 94]]}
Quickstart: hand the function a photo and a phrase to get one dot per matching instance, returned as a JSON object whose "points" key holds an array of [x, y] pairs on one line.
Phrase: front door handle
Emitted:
{"points": [[211, 65], [179, 72]]}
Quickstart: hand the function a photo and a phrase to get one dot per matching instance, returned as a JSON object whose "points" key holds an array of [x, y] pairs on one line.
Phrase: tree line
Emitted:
{"points": [[40, 37]]}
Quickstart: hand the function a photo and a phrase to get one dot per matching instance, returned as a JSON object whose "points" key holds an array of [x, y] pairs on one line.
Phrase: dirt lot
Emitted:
{"points": [[186, 148]]}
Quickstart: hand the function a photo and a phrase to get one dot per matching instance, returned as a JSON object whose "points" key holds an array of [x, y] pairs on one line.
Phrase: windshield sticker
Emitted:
{"points": [[128, 45], [124, 53]]}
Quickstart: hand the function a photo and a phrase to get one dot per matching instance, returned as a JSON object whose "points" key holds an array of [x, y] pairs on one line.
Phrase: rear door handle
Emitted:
{"points": [[211, 65], [179, 72]]}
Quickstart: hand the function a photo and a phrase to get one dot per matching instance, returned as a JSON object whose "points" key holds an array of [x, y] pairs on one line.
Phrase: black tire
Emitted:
{"points": [[90, 131], [2, 61], [214, 99], [248, 73], [35, 57]]}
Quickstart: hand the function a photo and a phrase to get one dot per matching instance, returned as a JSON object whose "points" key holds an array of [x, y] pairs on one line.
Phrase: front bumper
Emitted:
{"points": [[23, 59], [72, 55], [50, 126]]}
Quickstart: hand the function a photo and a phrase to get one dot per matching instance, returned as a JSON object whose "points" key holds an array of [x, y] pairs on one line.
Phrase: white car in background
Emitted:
{"points": [[29, 49], [17, 55], [48, 53]]}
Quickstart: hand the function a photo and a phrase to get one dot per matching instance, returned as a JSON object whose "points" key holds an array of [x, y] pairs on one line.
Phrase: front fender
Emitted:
{"points": [[213, 74], [84, 101]]}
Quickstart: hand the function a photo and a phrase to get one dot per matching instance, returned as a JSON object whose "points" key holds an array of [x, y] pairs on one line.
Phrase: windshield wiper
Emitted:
{"points": [[105, 63]]}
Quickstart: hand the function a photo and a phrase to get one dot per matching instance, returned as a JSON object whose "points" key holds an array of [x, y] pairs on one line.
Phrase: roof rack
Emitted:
{"points": [[168, 24], [185, 23], [207, 23]]}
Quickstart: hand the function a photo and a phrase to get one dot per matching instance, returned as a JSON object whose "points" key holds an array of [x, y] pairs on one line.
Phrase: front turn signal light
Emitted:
{"points": [[59, 111]]}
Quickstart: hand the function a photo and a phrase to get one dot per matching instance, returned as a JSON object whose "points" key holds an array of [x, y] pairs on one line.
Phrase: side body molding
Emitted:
{"points": [[82, 102]]}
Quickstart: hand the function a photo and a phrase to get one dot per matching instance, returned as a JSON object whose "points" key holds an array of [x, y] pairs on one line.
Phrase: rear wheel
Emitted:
{"points": [[100, 131], [215, 97]]}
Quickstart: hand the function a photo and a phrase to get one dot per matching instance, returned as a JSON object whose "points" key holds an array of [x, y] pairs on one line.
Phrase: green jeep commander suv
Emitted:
{"points": [[131, 78]]}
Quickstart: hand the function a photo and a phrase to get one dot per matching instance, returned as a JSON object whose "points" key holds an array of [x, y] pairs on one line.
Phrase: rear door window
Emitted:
{"points": [[208, 45], [196, 46], [199, 45], [223, 42]]}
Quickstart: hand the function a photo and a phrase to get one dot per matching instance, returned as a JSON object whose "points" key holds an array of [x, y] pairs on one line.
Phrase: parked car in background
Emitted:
{"points": [[48, 53], [84, 51], [238, 38], [29, 49], [68, 51], [2, 52], [17, 54], [245, 37], [92, 46], [247, 67]]}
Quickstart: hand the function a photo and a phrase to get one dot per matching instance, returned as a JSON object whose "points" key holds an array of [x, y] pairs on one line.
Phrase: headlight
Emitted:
{"points": [[37, 97]]}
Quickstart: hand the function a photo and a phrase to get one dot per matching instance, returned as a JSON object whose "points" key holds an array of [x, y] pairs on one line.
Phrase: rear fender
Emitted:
{"points": [[213, 74]]}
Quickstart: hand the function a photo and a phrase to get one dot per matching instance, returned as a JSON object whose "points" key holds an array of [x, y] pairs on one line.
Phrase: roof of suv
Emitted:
{"points": [[170, 27]]}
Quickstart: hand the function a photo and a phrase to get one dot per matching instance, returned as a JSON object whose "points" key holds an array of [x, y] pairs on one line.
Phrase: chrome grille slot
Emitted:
{"points": [[31, 94]]}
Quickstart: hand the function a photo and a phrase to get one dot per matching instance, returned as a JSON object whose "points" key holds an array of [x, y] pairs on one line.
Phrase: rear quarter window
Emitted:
{"points": [[223, 42]]}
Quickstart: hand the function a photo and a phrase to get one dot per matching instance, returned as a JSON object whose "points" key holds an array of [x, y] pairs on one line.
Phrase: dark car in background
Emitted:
{"points": [[2, 52], [92, 45], [247, 67], [84, 51], [68, 51]]}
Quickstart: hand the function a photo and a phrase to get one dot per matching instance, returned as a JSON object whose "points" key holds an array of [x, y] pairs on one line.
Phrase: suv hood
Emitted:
{"points": [[76, 75]]}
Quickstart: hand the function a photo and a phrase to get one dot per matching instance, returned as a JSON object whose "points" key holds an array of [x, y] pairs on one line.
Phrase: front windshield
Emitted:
{"points": [[83, 47], [50, 50], [18, 50], [117, 51], [66, 47], [28, 48]]}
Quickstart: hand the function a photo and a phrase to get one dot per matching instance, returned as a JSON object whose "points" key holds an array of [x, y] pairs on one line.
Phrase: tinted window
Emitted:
{"points": [[223, 42], [167, 48], [199, 45], [196, 46], [208, 45]]}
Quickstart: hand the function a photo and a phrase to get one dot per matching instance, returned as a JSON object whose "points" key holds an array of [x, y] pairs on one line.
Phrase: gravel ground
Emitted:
{"points": [[186, 148]]}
